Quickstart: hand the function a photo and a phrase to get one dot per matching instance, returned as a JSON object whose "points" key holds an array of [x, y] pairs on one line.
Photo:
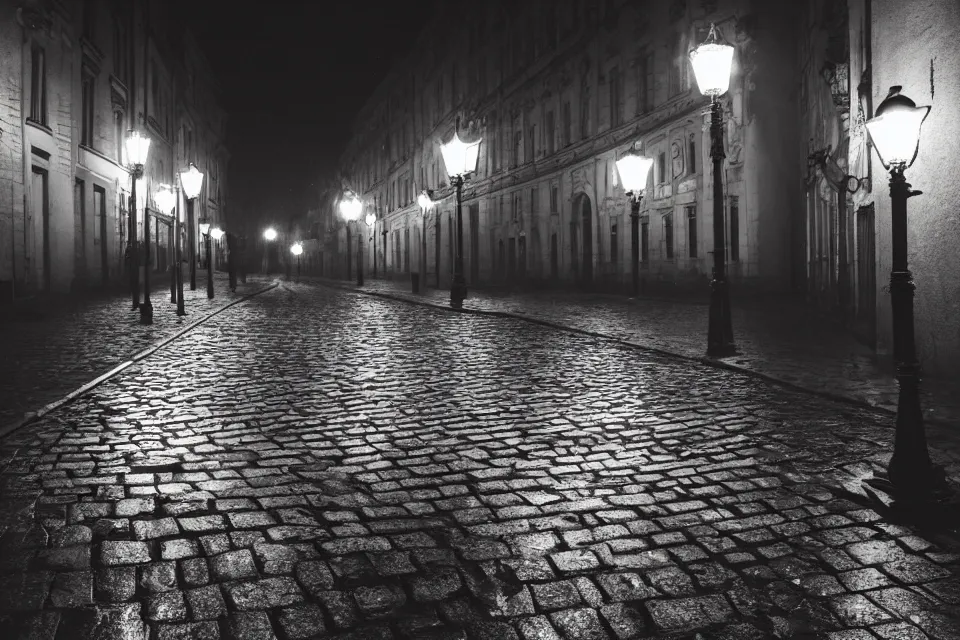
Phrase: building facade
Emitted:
{"points": [[557, 92], [851, 53], [77, 77]]}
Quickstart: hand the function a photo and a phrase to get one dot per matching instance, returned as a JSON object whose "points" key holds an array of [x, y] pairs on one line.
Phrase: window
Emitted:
{"points": [[531, 150], [615, 113], [692, 230], [86, 123], [119, 50], [118, 134], [567, 131], [554, 199], [692, 155], [585, 115], [534, 204], [550, 133], [678, 67], [645, 83], [661, 167], [668, 235], [645, 239], [516, 205], [99, 214], [492, 153], [517, 143], [38, 85], [734, 229], [614, 244]]}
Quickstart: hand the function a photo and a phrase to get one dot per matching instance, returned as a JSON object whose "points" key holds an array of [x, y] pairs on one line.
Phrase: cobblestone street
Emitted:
{"points": [[315, 463]]}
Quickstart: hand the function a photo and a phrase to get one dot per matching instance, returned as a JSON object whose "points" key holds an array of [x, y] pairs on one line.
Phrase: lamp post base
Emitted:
{"points": [[146, 312], [458, 292], [720, 342]]}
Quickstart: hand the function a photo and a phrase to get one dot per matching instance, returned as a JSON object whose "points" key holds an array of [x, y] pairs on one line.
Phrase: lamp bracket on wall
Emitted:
{"points": [[830, 170]]}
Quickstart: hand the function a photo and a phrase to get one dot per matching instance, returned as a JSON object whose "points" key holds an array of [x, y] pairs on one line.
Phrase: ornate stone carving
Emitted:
{"points": [[676, 157]]}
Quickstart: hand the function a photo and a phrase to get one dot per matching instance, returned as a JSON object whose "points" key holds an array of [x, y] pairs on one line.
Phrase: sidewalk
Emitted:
{"points": [[777, 337], [48, 350]]}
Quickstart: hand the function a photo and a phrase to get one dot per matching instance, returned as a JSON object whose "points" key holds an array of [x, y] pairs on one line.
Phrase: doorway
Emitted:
{"points": [[866, 275], [40, 207], [586, 241]]}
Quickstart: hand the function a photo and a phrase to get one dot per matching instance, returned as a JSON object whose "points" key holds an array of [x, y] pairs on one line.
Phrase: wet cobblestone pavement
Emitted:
{"points": [[778, 337], [47, 355], [314, 463]]}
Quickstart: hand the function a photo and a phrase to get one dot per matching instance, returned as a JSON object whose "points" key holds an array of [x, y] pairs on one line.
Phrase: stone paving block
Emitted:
{"points": [[119, 552], [71, 535], [202, 524], [689, 613], [253, 625], [857, 611], [340, 606], [233, 565], [206, 603], [574, 561], [561, 594], [72, 589], [303, 622], [159, 576], [134, 507], [264, 594], [379, 600], [626, 621], [168, 606], [436, 585], [583, 624], [116, 584], [66, 559], [151, 529], [537, 628], [192, 630], [250, 519], [276, 558], [195, 572], [179, 549]]}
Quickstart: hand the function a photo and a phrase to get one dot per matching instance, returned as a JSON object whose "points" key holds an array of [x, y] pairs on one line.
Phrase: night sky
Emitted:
{"points": [[293, 75]]}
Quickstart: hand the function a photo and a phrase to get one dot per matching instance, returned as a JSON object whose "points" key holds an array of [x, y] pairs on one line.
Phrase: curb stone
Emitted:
{"points": [[34, 416], [704, 360]]}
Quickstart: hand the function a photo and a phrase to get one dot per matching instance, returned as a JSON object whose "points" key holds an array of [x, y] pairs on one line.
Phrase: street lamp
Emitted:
{"points": [[895, 132], [192, 181], [166, 199], [296, 250], [425, 200], [371, 220], [350, 209], [460, 158], [634, 170], [137, 148], [269, 234], [711, 62], [205, 232]]}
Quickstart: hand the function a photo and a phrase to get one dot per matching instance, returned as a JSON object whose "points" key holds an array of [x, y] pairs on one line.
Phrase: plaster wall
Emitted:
{"points": [[11, 152], [914, 45]]}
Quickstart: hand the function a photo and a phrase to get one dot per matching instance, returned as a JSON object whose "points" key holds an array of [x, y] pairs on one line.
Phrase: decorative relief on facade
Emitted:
{"points": [[676, 157]]}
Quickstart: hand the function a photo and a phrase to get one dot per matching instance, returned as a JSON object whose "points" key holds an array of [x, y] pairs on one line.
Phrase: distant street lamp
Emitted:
{"points": [[371, 220], [137, 148], [711, 62], [205, 232], [895, 132], [192, 181], [460, 159], [425, 200], [296, 250], [269, 234], [166, 199], [634, 170], [351, 207]]}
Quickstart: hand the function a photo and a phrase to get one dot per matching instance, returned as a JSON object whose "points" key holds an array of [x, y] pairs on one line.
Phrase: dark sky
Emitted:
{"points": [[293, 74]]}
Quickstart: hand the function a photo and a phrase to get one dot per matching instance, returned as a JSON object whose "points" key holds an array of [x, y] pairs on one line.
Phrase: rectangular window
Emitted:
{"points": [[567, 126], [668, 235], [615, 97], [734, 229], [119, 50], [38, 85], [585, 116], [678, 67], [99, 214], [692, 230], [645, 239], [646, 83], [118, 134], [492, 152], [661, 167], [531, 150], [534, 205], [614, 244], [550, 133], [86, 124], [692, 155], [516, 205], [517, 143], [554, 199]]}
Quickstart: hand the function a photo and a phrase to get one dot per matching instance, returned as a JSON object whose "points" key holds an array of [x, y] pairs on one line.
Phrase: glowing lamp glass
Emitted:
{"points": [[204, 228], [711, 65], [371, 219], [296, 249], [350, 207], [459, 157], [634, 171], [137, 147], [895, 130], [424, 201], [270, 234], [165, 199], [192, 181], [216, 233]]}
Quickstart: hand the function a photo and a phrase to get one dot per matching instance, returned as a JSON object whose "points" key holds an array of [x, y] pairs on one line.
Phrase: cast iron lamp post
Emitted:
{"points": [[166, 199], [351, 207], [711, 64], [205, 232], [269, 234], [371, 220], [297, 249], [634, 170], [460, 159], [895, 132], [216, 234], [137, 147], [192, 180]]}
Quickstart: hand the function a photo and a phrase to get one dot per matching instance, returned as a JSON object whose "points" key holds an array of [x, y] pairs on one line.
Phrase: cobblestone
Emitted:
{"points": [[396, 476]]}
